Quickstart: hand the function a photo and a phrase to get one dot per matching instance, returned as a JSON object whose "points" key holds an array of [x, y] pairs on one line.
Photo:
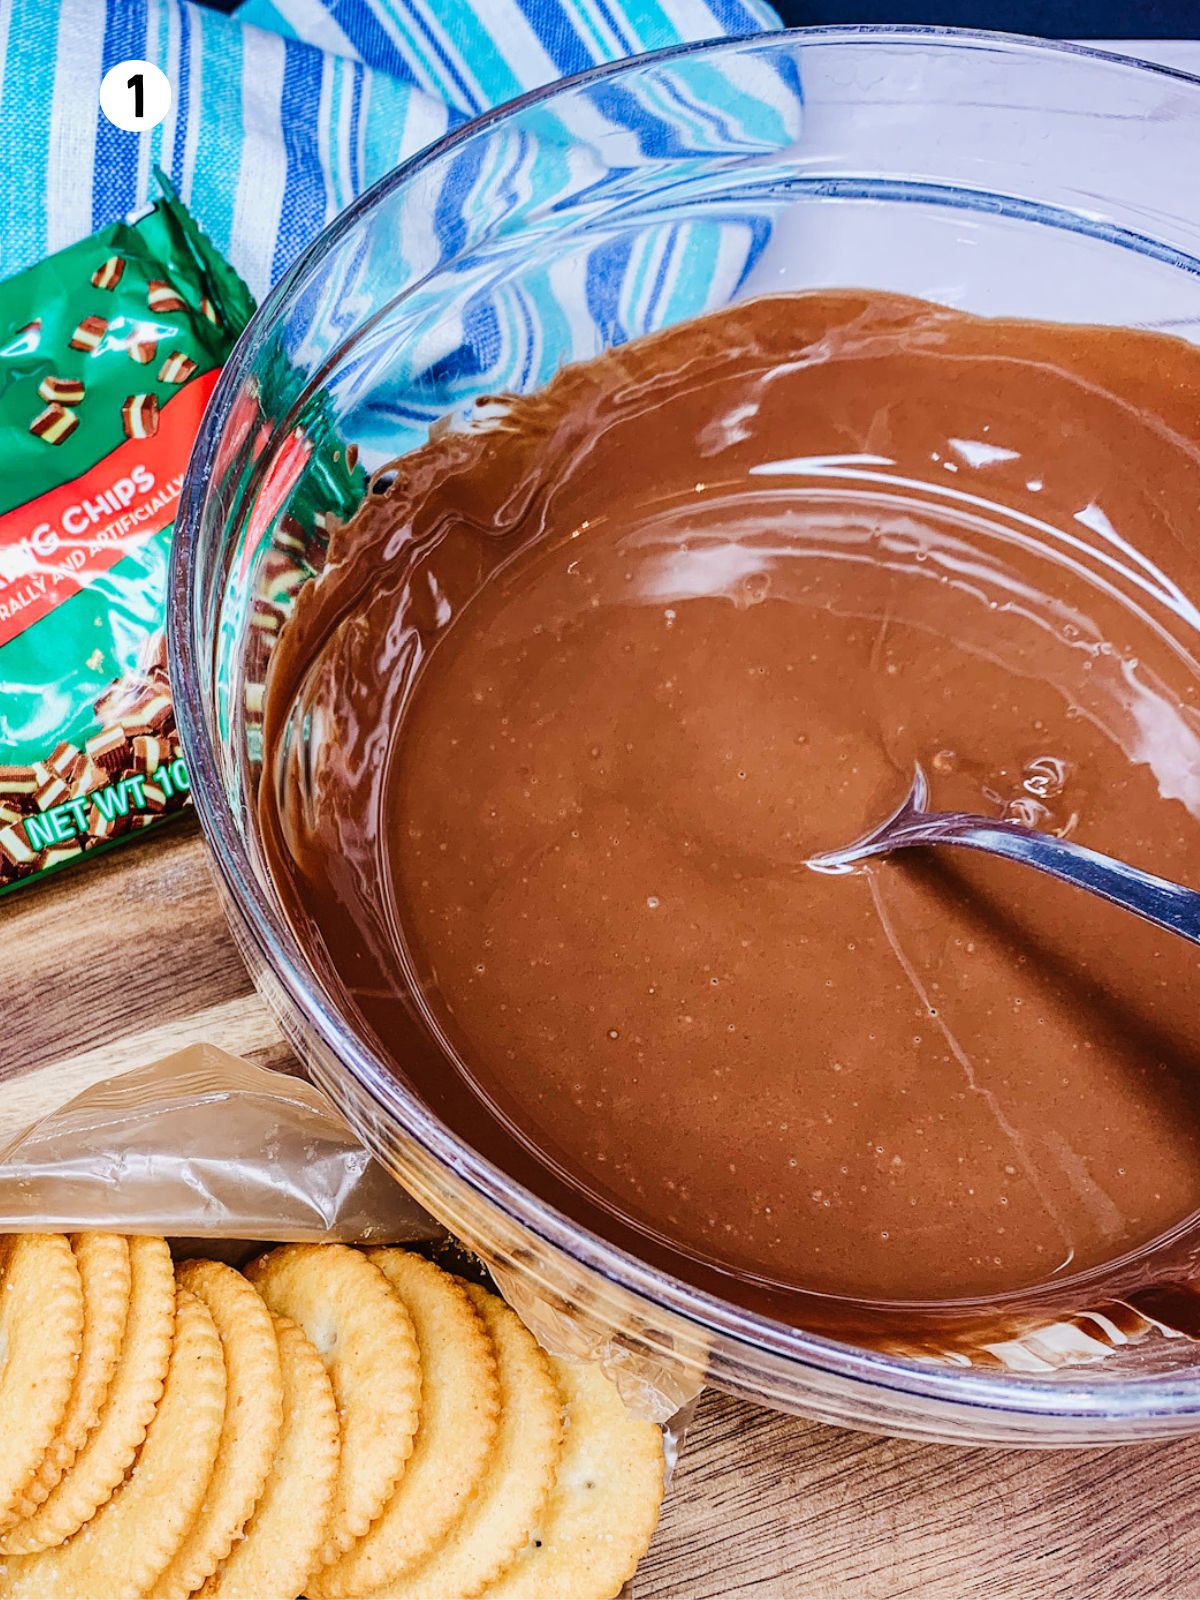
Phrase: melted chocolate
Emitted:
{"points": [[550, 740]]}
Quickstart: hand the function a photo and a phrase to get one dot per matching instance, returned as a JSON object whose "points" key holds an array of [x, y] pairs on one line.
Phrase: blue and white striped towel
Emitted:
{"points": [[286, 111]]}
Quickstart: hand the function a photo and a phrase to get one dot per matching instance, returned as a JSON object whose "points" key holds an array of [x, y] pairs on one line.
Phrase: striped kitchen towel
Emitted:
{"points": [[286, 111]]}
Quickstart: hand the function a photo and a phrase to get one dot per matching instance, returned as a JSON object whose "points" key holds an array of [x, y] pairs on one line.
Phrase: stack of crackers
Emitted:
{"points": [[330, 1423]]}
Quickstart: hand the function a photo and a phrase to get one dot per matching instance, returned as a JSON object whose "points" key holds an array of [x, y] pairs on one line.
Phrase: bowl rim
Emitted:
{"points": [[1164, 1398]]}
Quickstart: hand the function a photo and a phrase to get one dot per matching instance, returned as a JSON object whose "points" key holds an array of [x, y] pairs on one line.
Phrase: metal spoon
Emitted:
{"points": [[1168, 904]]}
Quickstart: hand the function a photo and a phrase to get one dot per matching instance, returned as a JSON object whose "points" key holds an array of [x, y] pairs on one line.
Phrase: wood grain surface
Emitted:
{"points": [[128, 958]]}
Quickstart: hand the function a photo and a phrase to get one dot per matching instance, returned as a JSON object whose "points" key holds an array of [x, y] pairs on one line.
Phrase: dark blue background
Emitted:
{"points": [[1054, 19]]}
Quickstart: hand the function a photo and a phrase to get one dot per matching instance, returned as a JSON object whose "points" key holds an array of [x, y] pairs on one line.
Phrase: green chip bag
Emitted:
{"points": [[109, 352]]}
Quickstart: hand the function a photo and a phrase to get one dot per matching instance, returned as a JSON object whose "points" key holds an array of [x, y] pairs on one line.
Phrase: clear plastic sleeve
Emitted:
{"points": [[198, 1145]]}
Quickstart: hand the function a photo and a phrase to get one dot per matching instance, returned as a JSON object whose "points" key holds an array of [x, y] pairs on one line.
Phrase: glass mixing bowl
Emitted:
{"points": [[990, 173]]}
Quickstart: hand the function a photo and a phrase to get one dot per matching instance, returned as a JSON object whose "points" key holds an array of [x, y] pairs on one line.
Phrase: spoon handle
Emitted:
{"points": [[1168, 904]]}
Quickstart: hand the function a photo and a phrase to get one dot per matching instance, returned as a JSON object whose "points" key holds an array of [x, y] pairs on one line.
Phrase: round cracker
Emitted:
{"points": [[132, 1396], [131, 1538], [460, 1406], [284, 1536], [365, 1337], [104, 1276], [41, 1332], [603, 1510], [250, 1431], [519, 1476]]}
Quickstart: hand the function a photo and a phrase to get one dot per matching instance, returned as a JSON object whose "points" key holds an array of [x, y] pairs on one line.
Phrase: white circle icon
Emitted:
{"points": [[135, 95]]}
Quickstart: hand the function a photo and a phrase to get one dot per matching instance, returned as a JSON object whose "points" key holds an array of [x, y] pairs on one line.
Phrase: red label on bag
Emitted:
{"points": [[58, 544]]}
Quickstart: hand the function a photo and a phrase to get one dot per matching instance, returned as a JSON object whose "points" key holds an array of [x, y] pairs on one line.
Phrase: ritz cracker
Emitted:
{"points": [[109, 351]]}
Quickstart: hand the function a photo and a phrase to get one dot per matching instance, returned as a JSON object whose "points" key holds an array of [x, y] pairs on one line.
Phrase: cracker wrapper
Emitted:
{"points": [[199, 1145]]}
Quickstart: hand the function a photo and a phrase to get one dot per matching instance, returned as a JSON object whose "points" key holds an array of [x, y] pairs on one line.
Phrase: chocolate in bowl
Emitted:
{"points": [[673, 624], [1003, 220]]}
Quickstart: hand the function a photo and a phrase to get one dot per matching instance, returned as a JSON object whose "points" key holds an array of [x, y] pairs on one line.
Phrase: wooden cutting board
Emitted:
{"points": [[128, 958]]}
